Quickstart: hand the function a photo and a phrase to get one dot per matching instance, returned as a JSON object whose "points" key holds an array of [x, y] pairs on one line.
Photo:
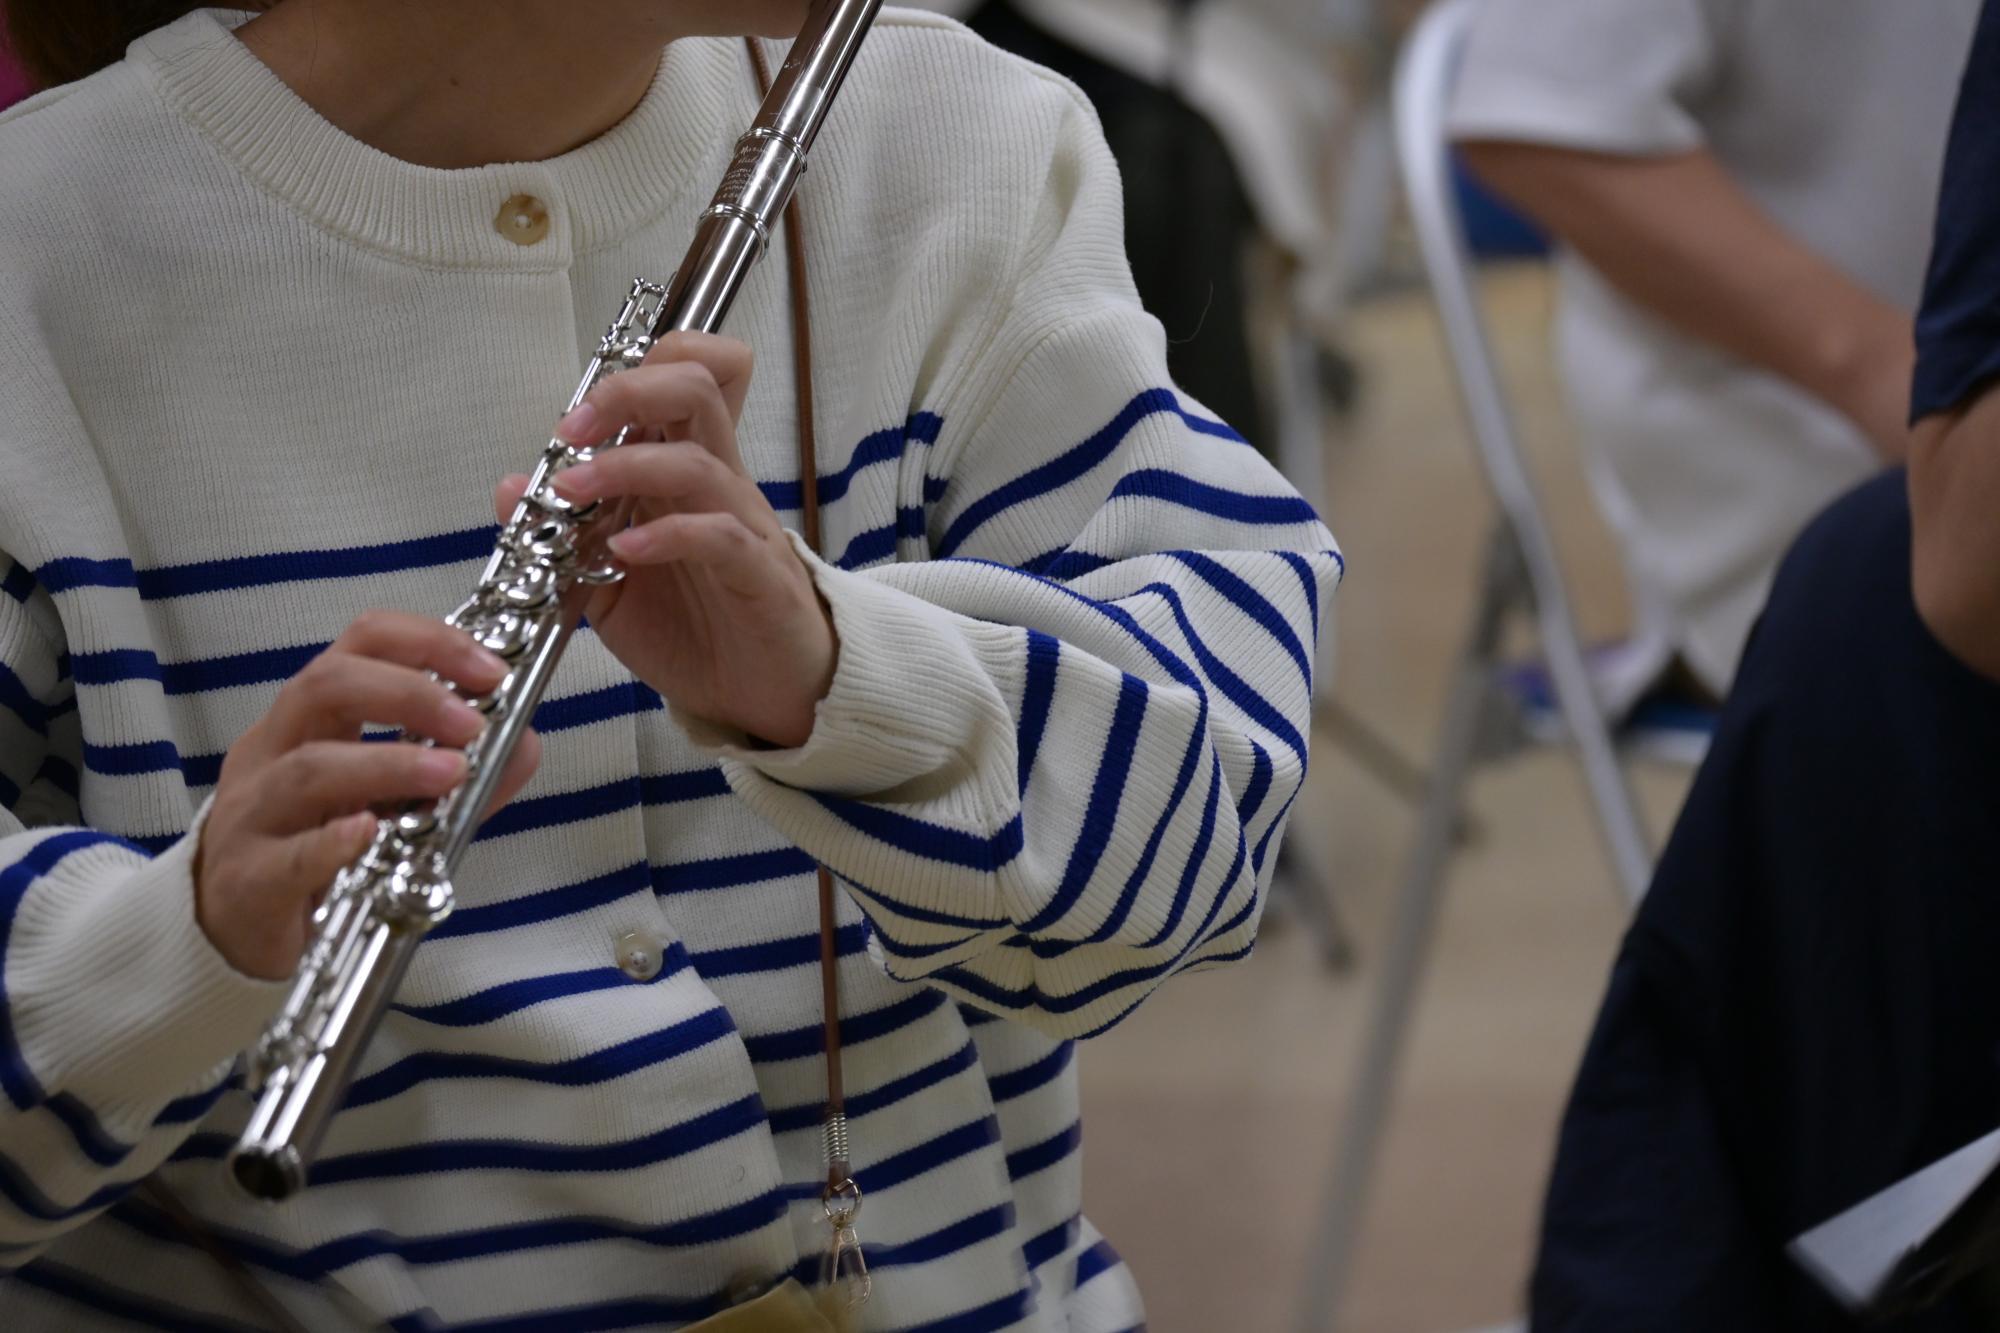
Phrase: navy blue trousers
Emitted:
{"points": [[1807, 1007]]}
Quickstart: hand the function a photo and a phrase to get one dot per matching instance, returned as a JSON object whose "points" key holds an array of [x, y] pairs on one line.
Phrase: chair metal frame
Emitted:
{"points": [[1520, 575]]}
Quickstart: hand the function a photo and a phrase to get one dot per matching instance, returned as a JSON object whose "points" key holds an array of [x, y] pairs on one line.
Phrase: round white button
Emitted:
{"points": [[523, 219], [640, 955]]}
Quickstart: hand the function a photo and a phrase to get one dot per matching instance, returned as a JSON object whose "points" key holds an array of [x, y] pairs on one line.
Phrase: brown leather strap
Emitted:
{"points": [[802, 390]]}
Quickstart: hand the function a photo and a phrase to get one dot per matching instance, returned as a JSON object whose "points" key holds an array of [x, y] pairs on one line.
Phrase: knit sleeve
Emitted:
{"points": [[1057, 753], [118, 1020]]}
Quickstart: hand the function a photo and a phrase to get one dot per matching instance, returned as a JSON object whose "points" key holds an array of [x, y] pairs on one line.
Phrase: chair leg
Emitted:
{"points": [[1311, 896], [1404, 960]]}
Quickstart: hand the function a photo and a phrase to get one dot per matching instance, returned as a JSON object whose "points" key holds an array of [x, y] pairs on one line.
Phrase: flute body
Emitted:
{"points": [[530, 598]]}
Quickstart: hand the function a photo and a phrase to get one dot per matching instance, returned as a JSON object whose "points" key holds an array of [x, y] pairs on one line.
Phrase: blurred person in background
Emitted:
{"points": [[1742, 194], [1803, 1014], [1222, 115]]}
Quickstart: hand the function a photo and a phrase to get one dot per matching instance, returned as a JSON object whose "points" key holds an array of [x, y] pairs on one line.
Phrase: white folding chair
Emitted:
{"points": [[1485, 714]]}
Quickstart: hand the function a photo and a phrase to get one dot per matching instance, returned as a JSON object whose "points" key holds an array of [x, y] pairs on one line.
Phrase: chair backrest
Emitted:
{"points": [[1424, 77], [1422, 95]]}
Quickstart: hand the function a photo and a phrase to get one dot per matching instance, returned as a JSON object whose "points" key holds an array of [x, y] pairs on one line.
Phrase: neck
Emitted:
{"points": [[465, 83]]}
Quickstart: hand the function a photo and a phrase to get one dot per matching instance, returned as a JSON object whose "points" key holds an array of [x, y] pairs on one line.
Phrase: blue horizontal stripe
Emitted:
{"points": [[18, 584], [59, 773], [986, 854], [944, 1242], [16, 698], [120, 666], [598, 1318], [791, 1119], [809, 1041], [972, 925], [272, 569], [511, 997], [1018, 1083], [883, 446], [1067, 564], [201, 770], [1095, 1261], [988, 1318], [1057, 472], [91, 1137], [717, 1126], [613, 1062], [555, 715], [674, 788], [67, 573], [331, 1256], [1235, 506], [548, 904], [1025, 1162], [114, 666], [729, 872], [263, 571], [1051, 1243], [927, 1156], [18, 1188], [131, 760], [776, 955], [625, 699], [141, 1310], [527, 814]]}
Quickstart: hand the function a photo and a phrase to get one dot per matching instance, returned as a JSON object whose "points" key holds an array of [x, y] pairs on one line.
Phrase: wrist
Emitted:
{"points": [[1863, 369]]}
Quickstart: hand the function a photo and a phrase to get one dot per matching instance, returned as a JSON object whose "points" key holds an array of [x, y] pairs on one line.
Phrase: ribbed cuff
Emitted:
{"points": [[116, 992], [909, 698]]}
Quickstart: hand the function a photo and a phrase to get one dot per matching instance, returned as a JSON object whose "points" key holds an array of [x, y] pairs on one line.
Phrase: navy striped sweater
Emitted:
{"points": [[1077, 620]]}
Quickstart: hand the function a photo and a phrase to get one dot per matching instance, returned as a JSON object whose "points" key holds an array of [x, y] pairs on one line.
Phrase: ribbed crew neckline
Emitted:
{"points": [[597, 193]]}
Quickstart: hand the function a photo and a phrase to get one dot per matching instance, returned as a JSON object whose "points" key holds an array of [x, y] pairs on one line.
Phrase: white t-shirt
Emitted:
{"points": [[1832, 115]]}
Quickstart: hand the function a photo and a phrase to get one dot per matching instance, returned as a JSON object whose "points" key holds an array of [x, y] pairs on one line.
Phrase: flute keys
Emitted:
{"points": [[551, 540], [506, 634], [417, 823], [529, 587]]}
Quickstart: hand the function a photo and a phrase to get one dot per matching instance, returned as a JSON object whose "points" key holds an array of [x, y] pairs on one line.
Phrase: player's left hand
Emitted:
{"points": [[716, 612]]}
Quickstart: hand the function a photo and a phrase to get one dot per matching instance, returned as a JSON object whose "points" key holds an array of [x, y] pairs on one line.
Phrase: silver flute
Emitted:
{"points": [[549, 558]]}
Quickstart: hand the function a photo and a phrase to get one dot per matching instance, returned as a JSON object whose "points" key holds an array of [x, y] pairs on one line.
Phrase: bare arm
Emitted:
{"points": [[1677, 235], [1954, 496]]}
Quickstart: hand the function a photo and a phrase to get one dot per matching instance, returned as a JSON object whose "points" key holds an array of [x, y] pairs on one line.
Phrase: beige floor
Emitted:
{"points": [[1211, 1113]]}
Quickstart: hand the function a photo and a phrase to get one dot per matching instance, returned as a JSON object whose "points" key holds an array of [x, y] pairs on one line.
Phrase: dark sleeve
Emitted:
{"points": [[1958, 326]]}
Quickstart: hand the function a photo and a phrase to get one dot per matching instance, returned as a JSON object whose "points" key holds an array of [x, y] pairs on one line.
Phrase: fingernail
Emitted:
{"points": [[441, 765], [355, 827], [580, 426], [571, 481], [488, 661], [627, 544]]}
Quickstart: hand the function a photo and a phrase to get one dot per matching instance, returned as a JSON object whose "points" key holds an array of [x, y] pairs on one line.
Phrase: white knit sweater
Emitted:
{"points": [[256, 378]]}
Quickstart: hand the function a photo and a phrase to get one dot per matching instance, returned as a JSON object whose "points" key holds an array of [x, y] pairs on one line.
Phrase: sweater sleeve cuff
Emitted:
{"points": [[910, 698], [117, 992]]}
